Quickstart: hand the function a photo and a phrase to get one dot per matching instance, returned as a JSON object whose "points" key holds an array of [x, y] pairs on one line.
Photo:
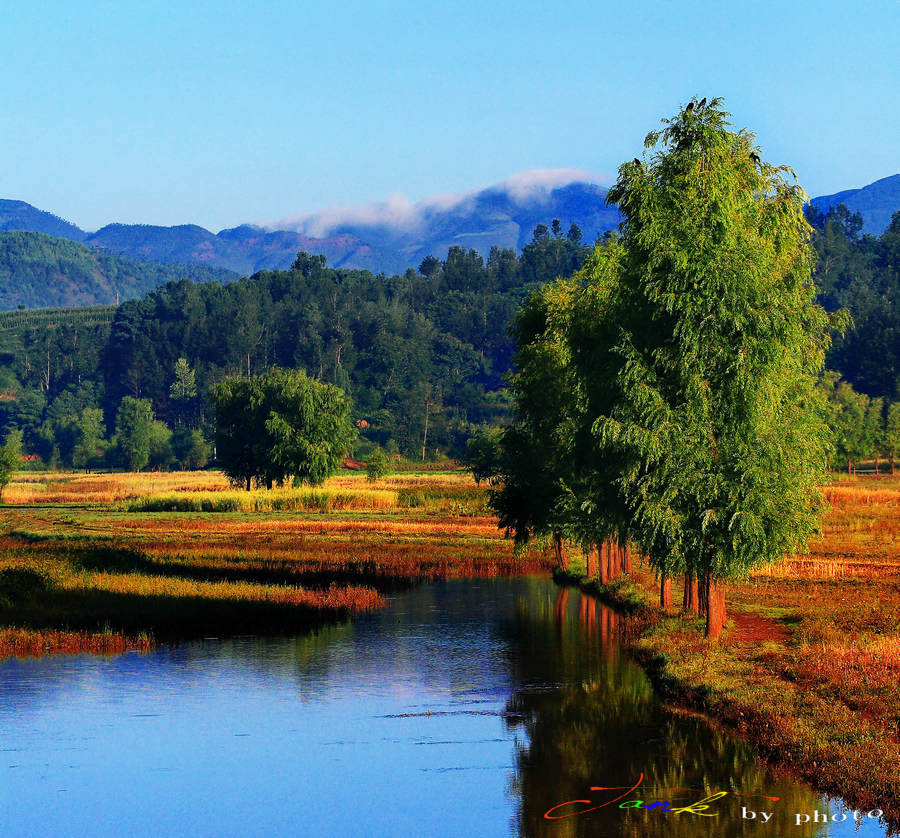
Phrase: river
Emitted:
{"points": [[465, 709]]}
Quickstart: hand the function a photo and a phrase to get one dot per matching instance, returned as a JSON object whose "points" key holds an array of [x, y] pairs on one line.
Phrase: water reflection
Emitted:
{"points": [[466, 709], [608, 729]]}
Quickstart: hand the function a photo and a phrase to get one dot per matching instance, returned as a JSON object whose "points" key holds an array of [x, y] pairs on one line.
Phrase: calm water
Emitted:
{"points": [[466, 709]]}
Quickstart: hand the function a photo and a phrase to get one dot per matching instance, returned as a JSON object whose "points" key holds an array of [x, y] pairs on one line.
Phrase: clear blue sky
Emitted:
{"points": [[223, 112]]}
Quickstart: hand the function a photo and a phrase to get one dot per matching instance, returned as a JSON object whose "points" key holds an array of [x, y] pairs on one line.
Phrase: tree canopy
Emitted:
{"points": [[281, 425], [670, 389]]}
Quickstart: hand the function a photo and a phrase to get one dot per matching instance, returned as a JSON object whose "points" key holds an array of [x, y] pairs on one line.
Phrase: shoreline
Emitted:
{"points": [[775, 720]]}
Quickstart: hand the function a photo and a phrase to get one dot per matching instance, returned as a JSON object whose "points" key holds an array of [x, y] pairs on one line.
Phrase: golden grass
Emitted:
{"points": [[103, 488], [261, 500], [278, 556]]}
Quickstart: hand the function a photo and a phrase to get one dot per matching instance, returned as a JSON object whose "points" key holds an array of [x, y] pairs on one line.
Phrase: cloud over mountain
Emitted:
{"points": [[399, 214]]}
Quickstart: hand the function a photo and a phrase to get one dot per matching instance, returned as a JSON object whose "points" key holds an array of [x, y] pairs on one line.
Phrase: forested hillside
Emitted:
{"points": [[37, 270], [862, 274], [430, 343]]}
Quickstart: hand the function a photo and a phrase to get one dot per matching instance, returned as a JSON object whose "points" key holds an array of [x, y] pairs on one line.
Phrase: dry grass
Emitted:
{"points": [[820, 690], [279, 560], [275, 500], [80, 488]]}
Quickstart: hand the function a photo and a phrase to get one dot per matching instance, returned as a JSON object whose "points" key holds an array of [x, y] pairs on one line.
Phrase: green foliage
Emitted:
{"points": [[394, 343], [377, 465], [892, 431], [190, 449], [88, 437], [668, 393], [861, 274], [10, 454], [281, 424], [718, 415], [484, 455], [137, 434], [184, 387], [160, 451]]}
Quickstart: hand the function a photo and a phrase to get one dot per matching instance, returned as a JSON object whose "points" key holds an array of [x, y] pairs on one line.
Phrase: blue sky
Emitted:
{"points": [[219, 113]]}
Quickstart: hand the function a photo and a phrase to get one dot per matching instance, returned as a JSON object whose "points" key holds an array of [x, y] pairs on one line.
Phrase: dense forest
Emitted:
{"points": [[428, 346]]}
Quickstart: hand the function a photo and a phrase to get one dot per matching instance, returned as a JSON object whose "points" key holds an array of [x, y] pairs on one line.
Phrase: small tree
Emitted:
{"points": [[190, 449], [376, 465], [134, 432], [10, 454], [281, 424], [183, 391], [184, 387], [88, 437]]}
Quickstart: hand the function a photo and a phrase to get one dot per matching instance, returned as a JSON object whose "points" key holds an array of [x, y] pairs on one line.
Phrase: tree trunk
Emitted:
{"points": [[248, 483], [590, 560], [702, 595], [559, 549], [610, 561], [627, 566], [604, 564], [665, 591], [689, 601], [715, 606]]}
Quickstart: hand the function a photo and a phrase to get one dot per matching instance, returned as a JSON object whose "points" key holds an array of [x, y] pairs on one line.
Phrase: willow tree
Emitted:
{"points": [[716, 417]]}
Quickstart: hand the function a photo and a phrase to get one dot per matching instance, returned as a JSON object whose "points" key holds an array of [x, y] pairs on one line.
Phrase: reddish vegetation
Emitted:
{"points": [[22, 643]]}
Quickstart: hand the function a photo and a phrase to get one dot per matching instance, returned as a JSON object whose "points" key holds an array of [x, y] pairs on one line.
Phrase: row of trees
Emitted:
{"points": [[667, 397], [138, 441]]}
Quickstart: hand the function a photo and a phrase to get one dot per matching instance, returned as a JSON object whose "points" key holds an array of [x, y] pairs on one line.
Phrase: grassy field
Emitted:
{"points": [[107, 562], [809, 665]]}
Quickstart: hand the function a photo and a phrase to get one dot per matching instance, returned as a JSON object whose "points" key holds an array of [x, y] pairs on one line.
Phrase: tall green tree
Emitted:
{"points": [[718, 420], [88, 437], [10, 454], [134, 432]]}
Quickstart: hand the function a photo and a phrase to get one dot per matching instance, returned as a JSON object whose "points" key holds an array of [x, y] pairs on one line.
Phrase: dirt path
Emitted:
{"points": [[752, 628]]}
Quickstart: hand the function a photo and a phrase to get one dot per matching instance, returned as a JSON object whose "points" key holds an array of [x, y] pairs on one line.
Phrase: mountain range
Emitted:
{"points": [[390, 236]]}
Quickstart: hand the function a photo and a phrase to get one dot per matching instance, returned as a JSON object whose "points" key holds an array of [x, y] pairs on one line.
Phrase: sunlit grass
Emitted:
{"points": [[261, 500], [179, 553]]}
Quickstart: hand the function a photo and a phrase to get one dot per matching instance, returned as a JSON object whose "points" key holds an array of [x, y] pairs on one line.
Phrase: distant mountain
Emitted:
{"points": [[397, 234], [504, 214], [876, 202], [242, 250], [245, 249], [38, 271], [17, 215]]}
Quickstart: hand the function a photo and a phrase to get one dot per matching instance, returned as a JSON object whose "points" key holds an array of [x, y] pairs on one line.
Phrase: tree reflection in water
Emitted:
{"points": [[609, 728]]}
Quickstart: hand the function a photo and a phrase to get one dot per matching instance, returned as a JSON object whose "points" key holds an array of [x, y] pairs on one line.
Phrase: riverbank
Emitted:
{"points": [[808, 667], [110, 562]]}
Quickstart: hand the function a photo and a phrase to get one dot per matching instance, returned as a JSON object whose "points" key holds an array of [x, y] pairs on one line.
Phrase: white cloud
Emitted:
{"points": [[527, 185], [399, 213]]}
